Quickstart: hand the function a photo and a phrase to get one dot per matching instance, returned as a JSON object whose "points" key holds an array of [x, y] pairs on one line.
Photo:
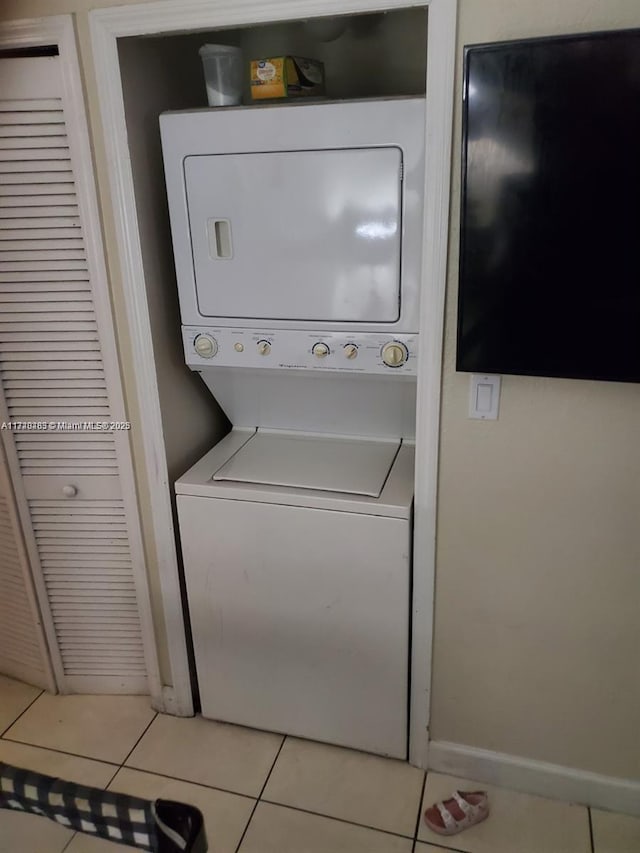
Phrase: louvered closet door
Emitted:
{"points": [[23, 650], [52, 373]]}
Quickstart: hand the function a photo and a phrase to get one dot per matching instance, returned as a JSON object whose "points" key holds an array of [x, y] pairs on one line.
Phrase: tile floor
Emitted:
{"points": [[262, 793]]}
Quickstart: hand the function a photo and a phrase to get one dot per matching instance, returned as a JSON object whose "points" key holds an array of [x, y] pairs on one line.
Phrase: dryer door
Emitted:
{"points": [[297, 235]]}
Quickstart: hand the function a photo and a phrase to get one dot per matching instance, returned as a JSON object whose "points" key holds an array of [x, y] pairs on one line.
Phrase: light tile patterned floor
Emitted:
{"points": [[261, 793]]}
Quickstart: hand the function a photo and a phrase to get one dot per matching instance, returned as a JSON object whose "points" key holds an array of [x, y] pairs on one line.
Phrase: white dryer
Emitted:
{"points": [[297, 564]]}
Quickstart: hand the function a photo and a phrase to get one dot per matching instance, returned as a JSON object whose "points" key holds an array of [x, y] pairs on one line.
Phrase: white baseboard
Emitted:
{"points": [[536, 777]]}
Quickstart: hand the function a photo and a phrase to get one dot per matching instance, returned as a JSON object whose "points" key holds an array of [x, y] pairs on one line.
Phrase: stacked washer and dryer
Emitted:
{"points": [[297, 234]]}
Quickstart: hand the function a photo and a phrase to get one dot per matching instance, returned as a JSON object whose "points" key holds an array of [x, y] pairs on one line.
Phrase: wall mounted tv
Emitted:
{"points": [[550, 221]]}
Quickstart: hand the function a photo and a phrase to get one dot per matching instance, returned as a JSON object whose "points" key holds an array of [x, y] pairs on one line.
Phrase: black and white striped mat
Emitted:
{"points": [[161, 826]]}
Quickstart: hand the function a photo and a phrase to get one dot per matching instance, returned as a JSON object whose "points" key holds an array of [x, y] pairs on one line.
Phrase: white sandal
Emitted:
{"points": [[474, 812]]}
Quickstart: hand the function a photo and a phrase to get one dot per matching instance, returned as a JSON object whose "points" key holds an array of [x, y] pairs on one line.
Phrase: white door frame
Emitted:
{"points": [[169, 16], [58, 30]]}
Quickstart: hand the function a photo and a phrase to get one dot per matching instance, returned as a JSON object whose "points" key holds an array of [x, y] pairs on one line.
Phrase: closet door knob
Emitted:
{"points": [[69, 491]]}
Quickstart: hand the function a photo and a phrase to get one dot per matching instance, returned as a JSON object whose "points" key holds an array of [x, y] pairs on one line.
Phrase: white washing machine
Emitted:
{"points": [[297, 563], [297, 234]]}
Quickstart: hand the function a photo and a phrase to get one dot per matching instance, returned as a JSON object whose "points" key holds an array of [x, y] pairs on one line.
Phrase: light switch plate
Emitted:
{"points": [[484, 397]]}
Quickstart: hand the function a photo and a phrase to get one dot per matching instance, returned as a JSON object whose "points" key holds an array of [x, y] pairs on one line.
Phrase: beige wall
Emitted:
{"points": [[348, 67], [538, 556], [537, 628], [156, 78]]}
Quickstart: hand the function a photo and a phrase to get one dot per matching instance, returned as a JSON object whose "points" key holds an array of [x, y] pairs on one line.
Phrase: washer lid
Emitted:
{"points": [[350, 465]]}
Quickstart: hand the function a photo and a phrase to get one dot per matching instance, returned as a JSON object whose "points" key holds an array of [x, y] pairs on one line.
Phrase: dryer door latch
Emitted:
{"points": [[219, 231]]}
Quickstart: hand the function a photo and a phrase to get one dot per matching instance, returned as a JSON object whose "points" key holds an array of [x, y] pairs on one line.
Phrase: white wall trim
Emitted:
{"points": [[167, 16], [59, 30], [536, 777], [440, 76], [176, 16], [107, 67]]}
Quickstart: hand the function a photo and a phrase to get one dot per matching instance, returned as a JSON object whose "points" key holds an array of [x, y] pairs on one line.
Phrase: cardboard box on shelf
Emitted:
{"points": [[286, 77]]}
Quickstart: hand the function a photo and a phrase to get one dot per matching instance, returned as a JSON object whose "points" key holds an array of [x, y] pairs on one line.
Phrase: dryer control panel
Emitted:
{"points": [[280, 349]]}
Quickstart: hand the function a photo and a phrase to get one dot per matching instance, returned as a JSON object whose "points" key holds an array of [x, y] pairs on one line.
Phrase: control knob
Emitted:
{"points": [[351, 351], [320, 350], [264, 347], [205, 346], [394, 354]]}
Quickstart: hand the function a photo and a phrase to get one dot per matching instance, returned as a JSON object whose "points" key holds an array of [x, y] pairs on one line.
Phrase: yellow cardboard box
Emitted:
{"points": [[286, 77]]}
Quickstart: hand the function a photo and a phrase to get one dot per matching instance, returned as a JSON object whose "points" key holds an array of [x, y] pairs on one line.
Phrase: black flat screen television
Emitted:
{"points": [[550, 222]]}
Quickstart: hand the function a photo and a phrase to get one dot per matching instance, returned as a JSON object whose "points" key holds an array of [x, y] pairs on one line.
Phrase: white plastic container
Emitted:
{"points": [[223, 74]]}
